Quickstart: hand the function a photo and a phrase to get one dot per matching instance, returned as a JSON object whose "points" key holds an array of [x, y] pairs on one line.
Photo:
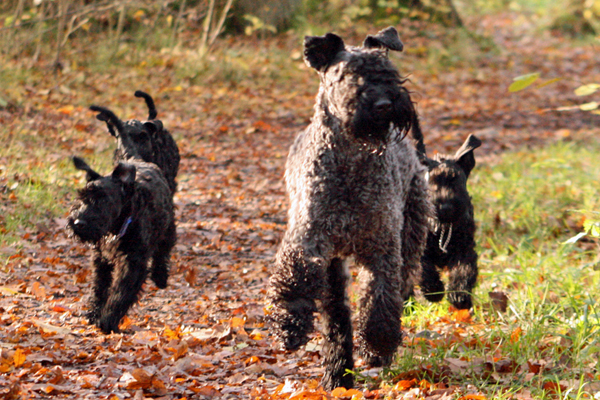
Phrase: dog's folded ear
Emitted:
{"points": [[80, 164], [124, 173], [464, 155], [321, 51], [153, 126], [385, 39]]}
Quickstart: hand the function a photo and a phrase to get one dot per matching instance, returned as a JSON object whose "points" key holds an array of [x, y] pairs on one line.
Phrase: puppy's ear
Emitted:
{"points": [[321, 51], [464, 155], [153, 126], [124, 173], [385, 39], [91, 175]]}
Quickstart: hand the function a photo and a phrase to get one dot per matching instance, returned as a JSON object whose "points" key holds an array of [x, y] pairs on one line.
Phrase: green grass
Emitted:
{"points": [[525, 206], [39, 185]]}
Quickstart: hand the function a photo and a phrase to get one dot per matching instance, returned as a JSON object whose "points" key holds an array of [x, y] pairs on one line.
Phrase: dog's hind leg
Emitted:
{"points": [[159, 272]]}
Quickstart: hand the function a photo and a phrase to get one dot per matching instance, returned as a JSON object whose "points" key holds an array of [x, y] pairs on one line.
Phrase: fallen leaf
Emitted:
{"points": [[461, 316], [499, 301], [405, 385], [19, 358], [523, 81], [472, 397]]}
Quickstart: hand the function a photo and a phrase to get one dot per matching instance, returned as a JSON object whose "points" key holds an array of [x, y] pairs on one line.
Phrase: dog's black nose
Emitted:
{"points": [[79, 223], [446, 207], [382, 106]]}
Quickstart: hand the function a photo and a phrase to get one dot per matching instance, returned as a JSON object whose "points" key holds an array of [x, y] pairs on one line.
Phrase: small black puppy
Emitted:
{"points": [[450, 240], [148, 141], [128, 217]]}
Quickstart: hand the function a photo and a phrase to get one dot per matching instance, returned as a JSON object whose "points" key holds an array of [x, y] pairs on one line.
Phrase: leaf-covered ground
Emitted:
{"points": [[205, 335]]}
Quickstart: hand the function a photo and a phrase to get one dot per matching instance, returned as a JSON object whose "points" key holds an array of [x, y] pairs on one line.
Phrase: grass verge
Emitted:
{"points": [[546, 343]]}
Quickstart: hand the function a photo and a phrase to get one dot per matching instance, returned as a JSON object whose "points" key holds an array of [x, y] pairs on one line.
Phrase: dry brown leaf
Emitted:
{"points": [[499, 301], [38, 290]]}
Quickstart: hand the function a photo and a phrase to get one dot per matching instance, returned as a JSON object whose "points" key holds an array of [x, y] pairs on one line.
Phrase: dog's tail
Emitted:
{"points": [[112, 121], [149, 102], [417, 136]]}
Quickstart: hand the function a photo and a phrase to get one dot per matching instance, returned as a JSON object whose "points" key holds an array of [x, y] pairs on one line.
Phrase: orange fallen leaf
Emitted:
{"points": [[237, 322], [208, 391], [343, 392], [125, 323], [38, 290], [67, 110], [405, 385], [180, 350], [49, 389], [461, 316], [473, 397], [252, 360], [516, 334], [256, 336], [339, 392], [19, 358], [60, 308], [424, 384], [170, 333]]}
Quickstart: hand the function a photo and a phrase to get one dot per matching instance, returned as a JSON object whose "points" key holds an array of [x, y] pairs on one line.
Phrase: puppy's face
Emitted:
{"points": [[98, 209]]}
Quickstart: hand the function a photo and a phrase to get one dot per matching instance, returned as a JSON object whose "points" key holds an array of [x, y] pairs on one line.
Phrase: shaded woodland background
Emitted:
{"points": [[28, 25]]}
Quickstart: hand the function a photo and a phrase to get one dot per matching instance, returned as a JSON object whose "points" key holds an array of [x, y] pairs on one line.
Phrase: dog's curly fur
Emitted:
{"points": [[128, 217], [148, 141], [356, 188]]}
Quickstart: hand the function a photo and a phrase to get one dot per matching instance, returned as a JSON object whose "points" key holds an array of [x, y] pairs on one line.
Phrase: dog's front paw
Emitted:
{"points": [[460, 300], [108, 324], [293, 322]]}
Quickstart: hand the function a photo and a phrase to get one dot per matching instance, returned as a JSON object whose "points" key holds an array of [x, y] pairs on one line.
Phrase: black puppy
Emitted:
{"points": [[128, 217], [450, 240], [148, 141]]}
